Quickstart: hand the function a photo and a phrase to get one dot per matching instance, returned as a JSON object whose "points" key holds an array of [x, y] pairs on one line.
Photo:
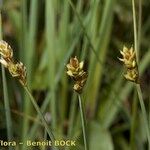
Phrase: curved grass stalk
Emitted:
{"points": [[51, 135]]}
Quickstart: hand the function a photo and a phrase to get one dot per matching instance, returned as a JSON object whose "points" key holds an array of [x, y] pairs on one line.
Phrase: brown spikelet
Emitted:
{"points": [[75, 70], [16, 69], [129, 60]]}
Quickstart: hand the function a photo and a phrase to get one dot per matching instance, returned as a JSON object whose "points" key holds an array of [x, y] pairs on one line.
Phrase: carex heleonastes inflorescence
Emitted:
{"points": [[130, 62], [16, 69], [77, 73]]}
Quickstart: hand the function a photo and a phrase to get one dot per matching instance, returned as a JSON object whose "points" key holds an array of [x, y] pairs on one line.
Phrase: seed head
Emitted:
{"points": [[17, 70], [75, 70], [129, 60]]}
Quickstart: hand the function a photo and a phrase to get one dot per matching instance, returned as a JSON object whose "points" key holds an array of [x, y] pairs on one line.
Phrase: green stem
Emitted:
{"points": [[133, 121], [137, 45], [135, 30], [138, 88], [139, 25], [83, 122], [43, 107], [40, 115], [6, 99], [72, 116], [134, 105]]}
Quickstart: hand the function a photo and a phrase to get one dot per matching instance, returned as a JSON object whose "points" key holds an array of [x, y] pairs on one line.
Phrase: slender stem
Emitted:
{"points": [[135, 29], [133, 121], [83, 122], [40, 115], [137, 45], [135, 102], [139, 25], [6, 99], [138, 88], [72, 116], [43, 107]]}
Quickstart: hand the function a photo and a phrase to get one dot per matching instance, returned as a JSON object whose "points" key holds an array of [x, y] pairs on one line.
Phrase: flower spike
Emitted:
{"points": [[75, 70], [17, 70], [129, 60]]}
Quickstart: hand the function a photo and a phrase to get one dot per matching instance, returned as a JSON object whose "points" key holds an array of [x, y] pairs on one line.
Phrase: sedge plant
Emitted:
{"points": [[132, 74], [76, 72], [18, 71]]}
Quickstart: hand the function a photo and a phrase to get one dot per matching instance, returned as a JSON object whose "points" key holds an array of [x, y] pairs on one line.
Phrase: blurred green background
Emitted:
{"points": [[44, 34]]}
